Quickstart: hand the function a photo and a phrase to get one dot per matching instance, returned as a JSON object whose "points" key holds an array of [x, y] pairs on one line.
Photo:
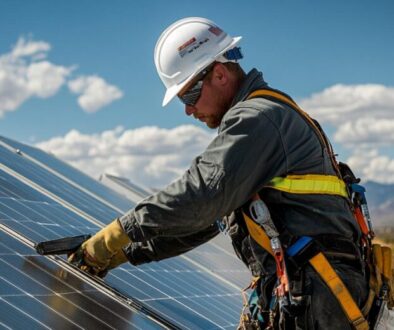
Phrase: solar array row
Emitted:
{"points": [[35, 203]]}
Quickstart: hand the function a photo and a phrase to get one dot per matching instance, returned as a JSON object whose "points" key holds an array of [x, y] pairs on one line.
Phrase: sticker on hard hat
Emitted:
{"points": [[187, 43], [190, 46], [215, 30]]}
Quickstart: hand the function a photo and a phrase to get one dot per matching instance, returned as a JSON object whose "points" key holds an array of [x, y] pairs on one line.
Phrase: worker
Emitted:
{"points": [[263, 146]]}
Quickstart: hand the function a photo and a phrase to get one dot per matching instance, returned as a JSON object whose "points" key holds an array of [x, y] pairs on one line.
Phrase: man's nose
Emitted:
{"points": [[189, 110]]}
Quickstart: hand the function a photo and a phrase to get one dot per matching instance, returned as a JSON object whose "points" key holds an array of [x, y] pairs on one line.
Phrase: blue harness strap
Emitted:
{"points": [[298, 246]]}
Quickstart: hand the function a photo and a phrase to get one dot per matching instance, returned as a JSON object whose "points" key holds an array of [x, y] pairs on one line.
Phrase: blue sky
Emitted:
{"points": [[302, 47]]}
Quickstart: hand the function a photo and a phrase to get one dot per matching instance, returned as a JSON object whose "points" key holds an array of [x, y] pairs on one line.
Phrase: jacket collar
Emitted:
{"points": [[254, 80]]}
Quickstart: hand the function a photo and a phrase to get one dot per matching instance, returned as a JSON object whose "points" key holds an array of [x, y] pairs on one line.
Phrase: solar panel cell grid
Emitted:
{"points": [[57, 186], [70, 172], [39, 218], [172, 283], [36, 293], [199, 296], [218, 258], [180, 289]]}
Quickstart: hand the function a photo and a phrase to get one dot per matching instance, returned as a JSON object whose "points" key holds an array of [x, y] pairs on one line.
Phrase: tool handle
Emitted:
{"points": [[64, 245]]}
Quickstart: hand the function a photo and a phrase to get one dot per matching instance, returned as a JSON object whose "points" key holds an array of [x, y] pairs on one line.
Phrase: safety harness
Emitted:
{"points": [[305, 249]]}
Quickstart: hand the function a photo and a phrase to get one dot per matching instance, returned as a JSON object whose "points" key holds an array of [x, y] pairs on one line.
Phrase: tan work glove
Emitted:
{"points": [[101, 251], [118, 259]]}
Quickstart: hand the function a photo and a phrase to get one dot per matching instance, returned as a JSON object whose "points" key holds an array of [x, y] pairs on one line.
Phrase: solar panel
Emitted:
{"points": [[217, 256], [125, 187], [35, 215], [26, 217], [56, 186], [36, 293], [68, 172], [220, 252], [41, 205]]}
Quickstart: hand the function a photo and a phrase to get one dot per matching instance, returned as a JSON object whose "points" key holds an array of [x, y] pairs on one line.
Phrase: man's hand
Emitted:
{"points": [[103, 251], [118, 259]]}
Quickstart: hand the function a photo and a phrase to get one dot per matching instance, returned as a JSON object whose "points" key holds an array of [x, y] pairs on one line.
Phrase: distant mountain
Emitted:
{"points": [[380, 199]]}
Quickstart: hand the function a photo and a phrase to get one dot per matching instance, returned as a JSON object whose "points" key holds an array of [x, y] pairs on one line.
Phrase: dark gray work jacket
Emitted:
{"points": [[258, 139]]}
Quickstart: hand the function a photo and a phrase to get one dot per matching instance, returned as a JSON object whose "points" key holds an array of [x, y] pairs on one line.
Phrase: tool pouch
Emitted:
{"points": [[251, 319], [381, 294], [258, 310]]}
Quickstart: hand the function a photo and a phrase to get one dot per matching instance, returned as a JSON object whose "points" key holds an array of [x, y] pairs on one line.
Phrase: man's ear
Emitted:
{"points": [[220, 74]]}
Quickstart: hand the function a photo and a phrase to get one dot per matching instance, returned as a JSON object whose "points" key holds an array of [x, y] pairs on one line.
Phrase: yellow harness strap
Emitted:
{"points": [[276, 95], [331, 278], [258, 234], [310, 184]]}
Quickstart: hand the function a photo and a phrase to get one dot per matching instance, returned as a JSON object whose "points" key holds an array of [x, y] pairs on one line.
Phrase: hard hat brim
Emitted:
{"points": [[175, 89]]}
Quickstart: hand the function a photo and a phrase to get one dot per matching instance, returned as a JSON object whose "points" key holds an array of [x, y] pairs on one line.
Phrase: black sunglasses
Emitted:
{"points": [[191, 96]]}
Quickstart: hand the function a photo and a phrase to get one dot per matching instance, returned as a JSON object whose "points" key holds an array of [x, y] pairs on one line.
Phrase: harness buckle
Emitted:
{"points": [[302, 251], [360, 323]]}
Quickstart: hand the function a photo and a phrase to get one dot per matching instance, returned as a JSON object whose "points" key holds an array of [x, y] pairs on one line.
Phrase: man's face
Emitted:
{"points": [[211, 105]]}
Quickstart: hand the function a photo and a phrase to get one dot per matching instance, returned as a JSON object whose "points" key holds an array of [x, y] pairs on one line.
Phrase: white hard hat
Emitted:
{"points": [[185, 48]]}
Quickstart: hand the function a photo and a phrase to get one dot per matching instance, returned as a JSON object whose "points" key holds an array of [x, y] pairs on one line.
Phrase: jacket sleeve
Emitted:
{"points": [[245, 155], [166, 247]]}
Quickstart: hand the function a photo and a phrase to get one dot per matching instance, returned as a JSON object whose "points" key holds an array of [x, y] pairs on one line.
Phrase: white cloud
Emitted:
{"points": [[25, 73], [366, 131], [22, 76], [25, 47], [150, 156], [362, 114], [95, 92], [45, 79], [343, 103], [370, 165], [13, 88], [363, 119]]}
